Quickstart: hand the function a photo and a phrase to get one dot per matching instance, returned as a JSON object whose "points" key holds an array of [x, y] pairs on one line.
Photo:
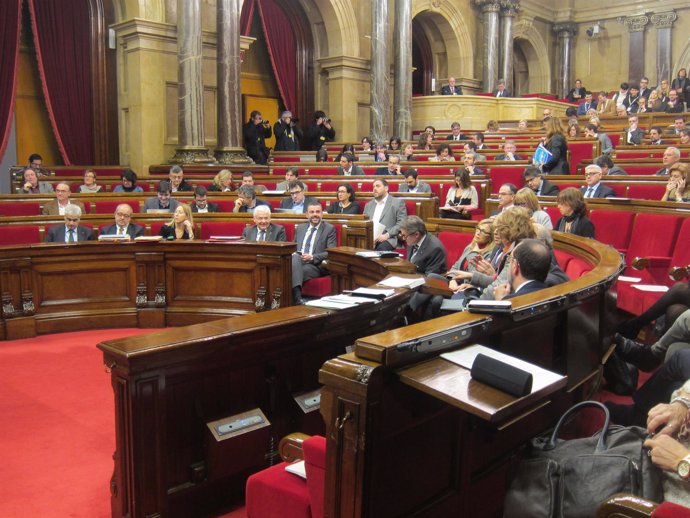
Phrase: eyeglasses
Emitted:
{"points": [[588, 175], [294, 193], [505, 193], [61, 190], [482, 231]]}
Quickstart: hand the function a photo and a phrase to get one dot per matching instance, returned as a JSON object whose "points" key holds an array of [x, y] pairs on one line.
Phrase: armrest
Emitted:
{"points": [[624, 505], [678, 273], [641, 263], [290, 447]]}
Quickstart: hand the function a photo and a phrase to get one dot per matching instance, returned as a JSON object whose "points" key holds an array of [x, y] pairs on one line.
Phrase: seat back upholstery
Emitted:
{"points": [[221, 228], [315, 464], [639, 191], [653, 235], [20, 209], [454, 243], [613, 227], [108, 207], [681, 250], [20, 235]]}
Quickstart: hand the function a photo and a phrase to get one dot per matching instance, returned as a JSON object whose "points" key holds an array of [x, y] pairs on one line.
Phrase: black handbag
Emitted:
{"points": [[570, 479]]}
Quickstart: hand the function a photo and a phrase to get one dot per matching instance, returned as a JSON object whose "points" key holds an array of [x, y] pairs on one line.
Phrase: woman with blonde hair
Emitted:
{"points": [[653, 102], [222, 182], [554, 142], [482, 245], [181, 226], [525, 197], [677, 189]]}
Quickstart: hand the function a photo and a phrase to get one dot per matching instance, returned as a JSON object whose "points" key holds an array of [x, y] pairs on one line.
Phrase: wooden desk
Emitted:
{"points": [[49, 288], [169, 384], [398, 447]]}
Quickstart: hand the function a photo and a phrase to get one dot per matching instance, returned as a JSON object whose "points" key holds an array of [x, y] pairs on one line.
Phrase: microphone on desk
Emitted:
{"points": [[170, 238]]}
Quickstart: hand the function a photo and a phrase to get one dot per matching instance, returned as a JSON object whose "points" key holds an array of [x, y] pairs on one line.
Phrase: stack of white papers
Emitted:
{"points": [[653, 288], [402, 282], [298, 469], [340, 302], [373, 292]]}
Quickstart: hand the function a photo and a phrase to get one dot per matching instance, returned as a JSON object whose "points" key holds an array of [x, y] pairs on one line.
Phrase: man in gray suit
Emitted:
{"points": [[313, 239], [70, 232], [32, 185], [387, 213], [412, 184], [263, 229], [347, 166], [163, 202]]}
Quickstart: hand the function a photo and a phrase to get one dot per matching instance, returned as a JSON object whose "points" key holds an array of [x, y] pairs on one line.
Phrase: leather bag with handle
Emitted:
{"points": [[570, 479]]}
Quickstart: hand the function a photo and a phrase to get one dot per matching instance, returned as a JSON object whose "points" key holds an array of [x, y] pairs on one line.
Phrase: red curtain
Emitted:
{"points": [[281, 43], [10, 28], [61, 30]]}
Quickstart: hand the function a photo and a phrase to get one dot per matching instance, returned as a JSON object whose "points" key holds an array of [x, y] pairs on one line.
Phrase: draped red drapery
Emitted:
{"points": [[61, 30], [10, 29], [281, 43]]}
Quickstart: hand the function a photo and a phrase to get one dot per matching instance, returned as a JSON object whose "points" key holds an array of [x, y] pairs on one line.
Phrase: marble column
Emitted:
{"points": [[380, 72], [565, 32], [490, 9], [636, 26], [229, 149], [402, 119], [190, 87], [509, 9], [663, 22]]}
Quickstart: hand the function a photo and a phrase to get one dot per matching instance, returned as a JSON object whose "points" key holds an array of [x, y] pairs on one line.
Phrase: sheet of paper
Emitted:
{"points": [[652, 288], [368, 254], [298, 469], [348, 299], [465, 358], [402, 282], [374, 291], [378, 229], [625, 278]]}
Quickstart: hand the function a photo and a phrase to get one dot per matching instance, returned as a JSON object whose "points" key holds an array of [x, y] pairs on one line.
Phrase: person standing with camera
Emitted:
{"points": [[288, 134], [319, 131], [255, 132]]}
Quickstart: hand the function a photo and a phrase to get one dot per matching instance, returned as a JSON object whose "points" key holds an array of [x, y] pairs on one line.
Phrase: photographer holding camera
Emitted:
{"points": [[319, 131], [287, 133], [255, 131]]}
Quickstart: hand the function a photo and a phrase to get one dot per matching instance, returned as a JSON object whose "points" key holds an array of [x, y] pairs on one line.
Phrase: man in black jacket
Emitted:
{"points": [[255, 132], [319, 131], [287, 133], [533, 179]]}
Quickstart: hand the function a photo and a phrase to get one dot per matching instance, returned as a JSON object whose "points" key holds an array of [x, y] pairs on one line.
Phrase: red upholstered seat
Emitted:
{"points": [[563, 258], [156, 228], [653, 236], [455, 243], [577, 267], [670, 510], [317, 288], [325, 187], [506, 174], [20, 234], [646, 191], [220, 228], [581, 152], [224, 205], [20, 209], [613, 227], [290, 231], [554, 214], [411, 207], [108, 207], [275, 493]]}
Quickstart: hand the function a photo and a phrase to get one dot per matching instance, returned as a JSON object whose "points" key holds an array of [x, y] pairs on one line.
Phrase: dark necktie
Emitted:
{"points": [[589, 192], [497, 260], [71, 238], [262, 235], [413, 252], [307, 245]]}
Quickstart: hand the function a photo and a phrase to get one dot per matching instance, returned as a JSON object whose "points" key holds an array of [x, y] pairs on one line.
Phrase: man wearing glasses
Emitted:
{"points": [[506, 197], [594, 188], [297, 202], [61, 202], [123, 225], [532, 176], [70, 231]]}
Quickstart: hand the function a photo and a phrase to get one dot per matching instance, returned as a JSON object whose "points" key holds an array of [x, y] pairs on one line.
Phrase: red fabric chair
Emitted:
{"points": [[653, 237], [506, 174], [554, 214], [563, 258], [646, 191], [221, 228], [670, 510], [224, 205], [20, 209], [108, 207], [411, 207], [290, 231], [317, 288], [613, 227], [455, 243], [20, 234], [275, 493], [156, 228], [577, 267]]}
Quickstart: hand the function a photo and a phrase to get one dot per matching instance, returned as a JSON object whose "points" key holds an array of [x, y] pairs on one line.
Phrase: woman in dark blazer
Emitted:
{"points": [[346, 203], [574, 220], [555, 142], [181, 226]]}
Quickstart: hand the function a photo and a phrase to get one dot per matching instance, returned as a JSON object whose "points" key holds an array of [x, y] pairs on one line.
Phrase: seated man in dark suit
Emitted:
{"points": [[594, 187], [297, 201], [70, 232], [501, 90], [671, 156], [509, 149], [634, 134], [313, 239], [393, 167], [163, 202], [123, 223], [533, 179], [201, 203], [429, 256], [413, 184], [246, 200], [348, 167], [177, 181], [263, 229], [528, 267], [456, 132], [451, 88], [589, 104]]}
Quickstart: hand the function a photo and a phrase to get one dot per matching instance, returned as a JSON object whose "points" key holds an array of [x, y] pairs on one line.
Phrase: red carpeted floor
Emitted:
{"points": [[57, 435]]}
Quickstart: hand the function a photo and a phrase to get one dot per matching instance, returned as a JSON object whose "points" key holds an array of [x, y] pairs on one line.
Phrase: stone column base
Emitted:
{"points": [[232, 155], [192, 155]]}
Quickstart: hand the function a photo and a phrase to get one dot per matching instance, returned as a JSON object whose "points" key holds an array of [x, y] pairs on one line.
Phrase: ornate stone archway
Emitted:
{"points": [[534, 48]]}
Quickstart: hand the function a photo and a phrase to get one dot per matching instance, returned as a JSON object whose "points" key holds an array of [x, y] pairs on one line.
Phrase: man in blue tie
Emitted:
{"points": [[594, 188], [313, 239], [70, 232]]}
